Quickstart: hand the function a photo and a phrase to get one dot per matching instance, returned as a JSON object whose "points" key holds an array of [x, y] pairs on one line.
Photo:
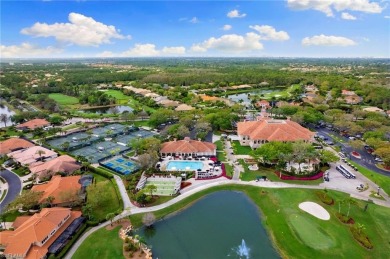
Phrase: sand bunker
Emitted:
{"points": [[315, 209]]}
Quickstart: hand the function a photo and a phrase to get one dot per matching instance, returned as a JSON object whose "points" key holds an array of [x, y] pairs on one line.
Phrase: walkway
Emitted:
{"points": [[206, 185]]}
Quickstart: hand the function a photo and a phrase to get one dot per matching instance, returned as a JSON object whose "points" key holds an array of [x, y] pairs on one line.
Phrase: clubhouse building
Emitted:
{"points": [[256, 133]]}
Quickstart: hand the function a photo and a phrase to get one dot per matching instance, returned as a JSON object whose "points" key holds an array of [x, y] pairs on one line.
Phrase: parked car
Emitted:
{"points": [[329, 142], [378, 159]]}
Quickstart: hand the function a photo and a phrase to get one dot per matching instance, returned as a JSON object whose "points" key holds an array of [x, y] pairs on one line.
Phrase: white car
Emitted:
{"points": [[378, 159]]}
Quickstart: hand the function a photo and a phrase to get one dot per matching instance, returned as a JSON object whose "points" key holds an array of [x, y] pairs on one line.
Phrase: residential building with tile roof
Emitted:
{"points": [[33, 124], [63, 190], [64, 164], [188, 147], [32, 155], [14, 144], [33, 235], [256, 133]]}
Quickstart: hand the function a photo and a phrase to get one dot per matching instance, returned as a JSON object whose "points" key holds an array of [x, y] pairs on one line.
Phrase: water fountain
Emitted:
{"points": [[242, 250]]}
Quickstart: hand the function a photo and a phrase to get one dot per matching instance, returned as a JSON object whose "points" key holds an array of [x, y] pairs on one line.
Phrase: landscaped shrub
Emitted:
{"points": [[361, 237], [325, 198], [344, 219]]}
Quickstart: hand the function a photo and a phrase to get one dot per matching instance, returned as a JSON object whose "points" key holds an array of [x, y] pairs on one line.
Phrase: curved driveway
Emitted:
{"points": [[14, 187]]}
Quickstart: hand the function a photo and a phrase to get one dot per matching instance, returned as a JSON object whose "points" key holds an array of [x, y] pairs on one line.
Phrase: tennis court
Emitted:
{"points": [[99, 151], [165, 186], [93, 146], [121, 165]]}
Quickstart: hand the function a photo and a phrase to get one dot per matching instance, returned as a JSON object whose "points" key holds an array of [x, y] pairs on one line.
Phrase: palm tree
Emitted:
{"points": [[110, 217], [360, 227], [350, 201], [151, 188], [4, 119], [40, 152]]}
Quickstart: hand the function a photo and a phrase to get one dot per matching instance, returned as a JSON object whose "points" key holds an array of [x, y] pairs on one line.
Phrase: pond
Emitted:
{"points": [[224, 224], [246, 100], [5, 110], [109, 110]]}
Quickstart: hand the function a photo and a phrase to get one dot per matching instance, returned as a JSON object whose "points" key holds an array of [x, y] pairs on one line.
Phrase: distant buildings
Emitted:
{"points": [[263, 104], [350, 97], [256, 133], [33, 124]]}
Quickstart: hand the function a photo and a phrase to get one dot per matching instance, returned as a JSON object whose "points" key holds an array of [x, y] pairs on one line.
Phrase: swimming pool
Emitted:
{"points": [[184, 165]]}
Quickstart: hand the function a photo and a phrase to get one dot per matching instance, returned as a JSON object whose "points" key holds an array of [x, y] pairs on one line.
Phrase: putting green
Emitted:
{"points": [[309, 233]]}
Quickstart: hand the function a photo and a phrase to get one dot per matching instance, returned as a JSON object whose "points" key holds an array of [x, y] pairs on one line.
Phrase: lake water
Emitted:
{"points": [[224, 224], [5, 110], [246, 99], [109, 110]]}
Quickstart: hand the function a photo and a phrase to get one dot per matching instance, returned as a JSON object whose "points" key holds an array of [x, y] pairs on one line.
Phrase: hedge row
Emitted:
{"points": [[101, 172], [305, 178]]}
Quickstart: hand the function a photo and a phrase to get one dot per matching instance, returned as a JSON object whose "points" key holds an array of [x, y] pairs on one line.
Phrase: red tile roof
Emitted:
{"points": [[13, 144], [63, 163], [56, 188], [188, 146], [274, 130], [22, 241], [33, 124]]}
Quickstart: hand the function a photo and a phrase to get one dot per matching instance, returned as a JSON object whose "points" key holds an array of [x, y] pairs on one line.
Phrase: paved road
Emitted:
{"points": [[14, 187], [367, 159]]}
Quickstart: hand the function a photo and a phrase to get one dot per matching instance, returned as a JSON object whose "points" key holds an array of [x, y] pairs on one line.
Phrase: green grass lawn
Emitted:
{"points": [[111, 204], [104, 244], [229, 169], [220, 151], [381, 180], [240, 150], [126, 99], [307, 236], [63, 99]]}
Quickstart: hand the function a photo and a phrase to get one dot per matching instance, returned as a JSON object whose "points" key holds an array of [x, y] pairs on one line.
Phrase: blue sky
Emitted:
{"points": [[284, 28]]}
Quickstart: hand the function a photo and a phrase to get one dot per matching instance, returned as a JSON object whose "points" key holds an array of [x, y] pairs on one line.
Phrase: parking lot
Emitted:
{"points": [[340, 182]]}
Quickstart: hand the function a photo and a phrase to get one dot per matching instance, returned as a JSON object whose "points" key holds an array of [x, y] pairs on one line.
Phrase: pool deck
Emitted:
{"points": [[209, 169]]}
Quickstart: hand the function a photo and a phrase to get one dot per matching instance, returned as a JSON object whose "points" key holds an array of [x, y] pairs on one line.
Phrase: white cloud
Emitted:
{"points": [[227, 27], [194, 20], [347, 16], [146, 50], [269, 33], [174, 50], [323, 40], [142, 50], [387, 16], [327, 6], [27, 50], [235, 14], [81, 30], [230, 43]]}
